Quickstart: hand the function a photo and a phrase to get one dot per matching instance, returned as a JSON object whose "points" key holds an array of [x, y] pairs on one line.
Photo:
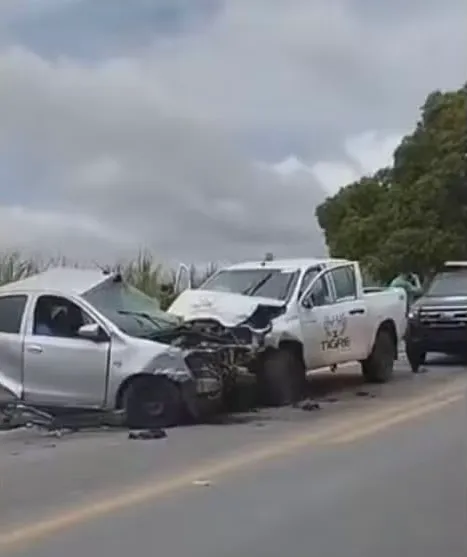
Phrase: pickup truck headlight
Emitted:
{"points": [[413, 314]]}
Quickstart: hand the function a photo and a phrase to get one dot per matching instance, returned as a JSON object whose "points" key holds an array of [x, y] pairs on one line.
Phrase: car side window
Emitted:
{"points": [[11, 313], [320, 295], [58, 317], [345, 283], [309, 275]]}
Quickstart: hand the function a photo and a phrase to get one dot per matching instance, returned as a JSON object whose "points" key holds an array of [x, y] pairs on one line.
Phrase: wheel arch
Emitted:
{"points": [[293, 345]]}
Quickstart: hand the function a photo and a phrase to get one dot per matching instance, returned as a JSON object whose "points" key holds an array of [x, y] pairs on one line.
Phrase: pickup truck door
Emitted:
{"points": [[350, 304], [61, 368], [333, 319], [314, 307]]}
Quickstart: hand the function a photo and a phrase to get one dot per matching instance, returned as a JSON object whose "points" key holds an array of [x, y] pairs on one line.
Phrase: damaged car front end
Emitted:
{"points": [[218, 355], [218, 339]]}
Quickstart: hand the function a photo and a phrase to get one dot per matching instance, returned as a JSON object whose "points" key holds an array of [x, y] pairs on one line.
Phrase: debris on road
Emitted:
{"points": [[308, 405], [202, 483], [16, 415], [147, 434], [365, 394]]}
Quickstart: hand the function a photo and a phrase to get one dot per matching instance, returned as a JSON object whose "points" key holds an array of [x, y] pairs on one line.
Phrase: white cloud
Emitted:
{"points": [[364, 155], [155, 149]]}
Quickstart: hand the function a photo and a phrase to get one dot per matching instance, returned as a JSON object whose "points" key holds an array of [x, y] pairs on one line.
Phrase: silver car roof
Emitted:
{"points": [[68, 280]]}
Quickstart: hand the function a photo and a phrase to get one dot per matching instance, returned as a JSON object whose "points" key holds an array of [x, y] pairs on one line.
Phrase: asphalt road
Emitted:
{"points": [[378, 471]]}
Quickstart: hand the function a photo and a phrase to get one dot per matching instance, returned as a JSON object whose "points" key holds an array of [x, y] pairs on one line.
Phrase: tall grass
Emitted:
{"points": [[144, 272]]}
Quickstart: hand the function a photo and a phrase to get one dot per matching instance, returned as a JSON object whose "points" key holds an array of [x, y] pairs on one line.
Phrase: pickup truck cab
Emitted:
{"points": [[323, 318], [438, 319]]}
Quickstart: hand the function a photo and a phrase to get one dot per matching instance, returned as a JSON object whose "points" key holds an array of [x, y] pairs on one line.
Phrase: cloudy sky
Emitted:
{"points": [[204, 129]]}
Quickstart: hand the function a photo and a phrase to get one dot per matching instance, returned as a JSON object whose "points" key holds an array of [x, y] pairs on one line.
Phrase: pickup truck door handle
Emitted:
{"points": [[34, 348], [357, 311]]}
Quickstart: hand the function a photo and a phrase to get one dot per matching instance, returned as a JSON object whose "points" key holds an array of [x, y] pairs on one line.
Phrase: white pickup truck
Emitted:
{"points": [[322, 317]]}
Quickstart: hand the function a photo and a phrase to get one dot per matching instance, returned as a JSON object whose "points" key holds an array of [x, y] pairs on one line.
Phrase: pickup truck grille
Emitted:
{"points": [[446, 317]]}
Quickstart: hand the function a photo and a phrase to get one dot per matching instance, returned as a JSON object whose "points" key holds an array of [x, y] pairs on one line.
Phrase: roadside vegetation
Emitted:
{"points": [[411, 216], [144, 272]]}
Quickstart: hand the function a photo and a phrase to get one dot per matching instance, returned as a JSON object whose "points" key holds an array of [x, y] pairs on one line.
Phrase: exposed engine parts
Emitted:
{"points": [[214, 350]]}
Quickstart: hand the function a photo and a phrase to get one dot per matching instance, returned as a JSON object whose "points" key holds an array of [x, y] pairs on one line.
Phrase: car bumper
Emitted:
{"points": [[433, 339]]}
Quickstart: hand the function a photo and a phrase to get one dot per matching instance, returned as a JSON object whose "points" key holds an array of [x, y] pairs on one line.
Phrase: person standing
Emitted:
{"points": [[410, 283]]}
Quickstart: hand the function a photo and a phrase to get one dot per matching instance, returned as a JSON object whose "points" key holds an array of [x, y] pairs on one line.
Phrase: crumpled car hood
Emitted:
{"points": [[227, 308]]}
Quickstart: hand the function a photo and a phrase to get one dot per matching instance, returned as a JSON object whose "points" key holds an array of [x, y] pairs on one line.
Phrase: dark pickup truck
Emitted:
{"points": [[438, 320]]}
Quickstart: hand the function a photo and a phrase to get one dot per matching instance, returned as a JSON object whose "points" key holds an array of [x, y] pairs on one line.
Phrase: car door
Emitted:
{"points": [[12, 311], [60, 368], [314, 307], [350, 310]]}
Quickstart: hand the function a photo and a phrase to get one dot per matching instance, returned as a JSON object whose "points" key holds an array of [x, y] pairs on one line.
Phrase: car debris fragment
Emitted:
{"points": [[202, 483], [309, 405], [147, 434], [365, 394]]}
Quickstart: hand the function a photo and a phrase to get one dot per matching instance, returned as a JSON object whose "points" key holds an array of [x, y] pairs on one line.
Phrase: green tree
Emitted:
{"points": [[412, 216]]}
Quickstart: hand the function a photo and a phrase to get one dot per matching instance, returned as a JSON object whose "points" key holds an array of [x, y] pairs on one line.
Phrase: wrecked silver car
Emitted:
{"points": [[75, 340]]}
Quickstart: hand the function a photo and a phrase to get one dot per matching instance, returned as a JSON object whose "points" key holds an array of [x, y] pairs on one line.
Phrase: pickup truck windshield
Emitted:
{"points": [[267, 283], [132, 311], [449, 283]]}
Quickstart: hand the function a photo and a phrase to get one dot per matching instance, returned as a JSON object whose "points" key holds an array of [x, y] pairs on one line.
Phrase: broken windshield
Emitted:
{"points": [[131, 310], [267, 283]]}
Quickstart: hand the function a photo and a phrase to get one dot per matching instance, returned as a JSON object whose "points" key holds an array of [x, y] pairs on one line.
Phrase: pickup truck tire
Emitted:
{"points": [[152, 402], [281, 378], [379, 366], [416, 357]]}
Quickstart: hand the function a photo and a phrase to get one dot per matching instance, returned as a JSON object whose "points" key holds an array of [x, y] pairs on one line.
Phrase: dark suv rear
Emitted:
{"points": [[438, 320]]}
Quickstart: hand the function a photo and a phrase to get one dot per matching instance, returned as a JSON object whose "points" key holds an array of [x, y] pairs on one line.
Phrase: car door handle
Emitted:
{"points": [[357, 311], [34, 348]]}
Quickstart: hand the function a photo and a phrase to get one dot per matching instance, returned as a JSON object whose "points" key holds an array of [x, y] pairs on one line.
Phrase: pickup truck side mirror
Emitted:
{"points": [[94, 332], [307, 302]]}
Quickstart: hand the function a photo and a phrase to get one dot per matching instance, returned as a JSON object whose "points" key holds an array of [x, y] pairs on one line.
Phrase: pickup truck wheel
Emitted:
{"points": [[281, 378], [415, 356], [379, 366], [153, 402]]}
